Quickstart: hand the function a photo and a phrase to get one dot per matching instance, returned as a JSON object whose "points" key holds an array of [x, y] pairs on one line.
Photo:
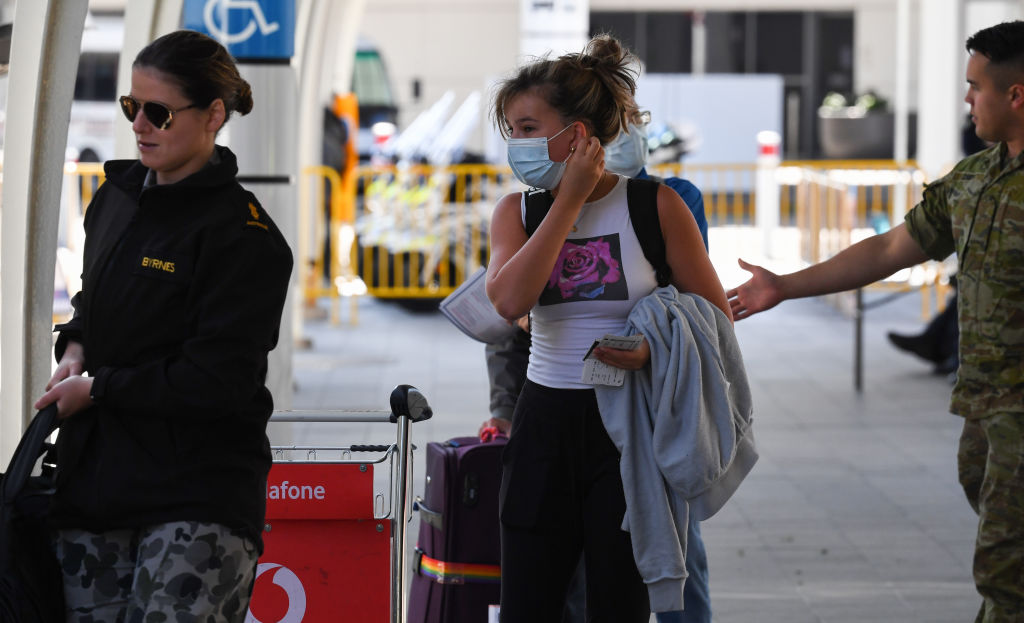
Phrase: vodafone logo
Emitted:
{"points": [[296, 491], [267, 602]]}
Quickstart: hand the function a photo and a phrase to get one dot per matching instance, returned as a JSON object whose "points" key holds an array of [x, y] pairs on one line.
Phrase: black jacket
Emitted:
{"points": [[183, 289]]}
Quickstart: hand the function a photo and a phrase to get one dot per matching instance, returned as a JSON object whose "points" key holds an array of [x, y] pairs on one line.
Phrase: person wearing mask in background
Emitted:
{"points": [[561, 491], [507, 362], [976, 211], [162, 452]]}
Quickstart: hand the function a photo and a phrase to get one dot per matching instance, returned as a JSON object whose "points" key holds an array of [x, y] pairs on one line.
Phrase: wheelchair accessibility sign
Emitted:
{"points": [[247, 28]]}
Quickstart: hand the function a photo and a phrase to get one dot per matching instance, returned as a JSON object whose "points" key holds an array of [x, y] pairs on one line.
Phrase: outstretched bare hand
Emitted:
{"points": [[760, 292]]}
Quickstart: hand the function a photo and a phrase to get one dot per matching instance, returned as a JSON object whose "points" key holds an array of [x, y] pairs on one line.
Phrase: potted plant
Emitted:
{"points": [[861, 129]]}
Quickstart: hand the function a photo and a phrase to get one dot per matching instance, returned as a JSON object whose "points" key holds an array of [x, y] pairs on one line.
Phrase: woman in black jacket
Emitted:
{"points": [[162, 451]]}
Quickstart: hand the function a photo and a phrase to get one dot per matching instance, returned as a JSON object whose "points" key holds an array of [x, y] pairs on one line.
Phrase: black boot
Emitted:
{"points": [[948, 365], [923, 346]]}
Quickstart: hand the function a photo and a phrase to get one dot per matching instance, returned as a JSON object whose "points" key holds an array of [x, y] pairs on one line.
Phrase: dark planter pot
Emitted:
{"points": [[866, 137]]}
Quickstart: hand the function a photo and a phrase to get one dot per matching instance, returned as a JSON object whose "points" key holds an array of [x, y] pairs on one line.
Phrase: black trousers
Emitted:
{"points": [[561, 494]]}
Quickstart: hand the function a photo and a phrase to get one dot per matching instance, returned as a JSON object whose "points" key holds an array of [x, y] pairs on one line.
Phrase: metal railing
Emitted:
{"points": [[422, 230], [835, 208], [416, 232], [81, 180], [728, 189], [326, 248]]}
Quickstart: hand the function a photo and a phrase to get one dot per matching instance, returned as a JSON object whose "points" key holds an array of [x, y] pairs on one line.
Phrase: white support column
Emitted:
{"points": [[901, 105], [901, 101], [143, 22], [265, 143], [44, 51], [699, 45], [267, 166], [325, 37], [310, 60], [940, 88], [766, 215], [347, 17]]}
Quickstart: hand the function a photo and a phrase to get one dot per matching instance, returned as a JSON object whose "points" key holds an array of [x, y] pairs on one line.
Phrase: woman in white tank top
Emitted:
{"points": [[578, 275]]}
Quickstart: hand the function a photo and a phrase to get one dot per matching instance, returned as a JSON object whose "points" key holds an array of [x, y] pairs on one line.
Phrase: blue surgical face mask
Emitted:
{"points": [[531, 164], [627, 153]]}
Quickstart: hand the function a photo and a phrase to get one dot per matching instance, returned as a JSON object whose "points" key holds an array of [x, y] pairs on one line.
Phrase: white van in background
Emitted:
{"points": [[94, 108]]}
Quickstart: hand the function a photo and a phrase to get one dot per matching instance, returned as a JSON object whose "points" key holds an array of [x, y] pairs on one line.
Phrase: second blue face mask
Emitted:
{"points": [[627, 153], [531, 163]]}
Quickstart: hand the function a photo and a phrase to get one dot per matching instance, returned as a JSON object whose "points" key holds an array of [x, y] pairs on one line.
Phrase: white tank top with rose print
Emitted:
{"points": [[598, 278]]}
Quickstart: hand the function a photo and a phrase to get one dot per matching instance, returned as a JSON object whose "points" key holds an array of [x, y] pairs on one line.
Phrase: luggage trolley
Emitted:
{"points": [[333, 552]]}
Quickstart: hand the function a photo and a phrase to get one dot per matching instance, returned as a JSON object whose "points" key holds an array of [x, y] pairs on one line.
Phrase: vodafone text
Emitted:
{"points": [[286, 491]]}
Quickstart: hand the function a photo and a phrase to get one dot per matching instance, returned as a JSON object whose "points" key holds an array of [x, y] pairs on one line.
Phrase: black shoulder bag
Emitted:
{"points": [[31, 585]]}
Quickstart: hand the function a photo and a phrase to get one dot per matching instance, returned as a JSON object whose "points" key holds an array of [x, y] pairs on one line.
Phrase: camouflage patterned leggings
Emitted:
{"points": [[178, 572], [991, 465]]}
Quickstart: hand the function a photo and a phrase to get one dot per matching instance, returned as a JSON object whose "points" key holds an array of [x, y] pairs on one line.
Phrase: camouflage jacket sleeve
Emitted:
{"points": [[929, 224]]}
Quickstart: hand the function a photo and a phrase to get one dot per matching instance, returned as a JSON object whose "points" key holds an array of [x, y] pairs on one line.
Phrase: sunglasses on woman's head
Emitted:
{"points": [[156, 113]]}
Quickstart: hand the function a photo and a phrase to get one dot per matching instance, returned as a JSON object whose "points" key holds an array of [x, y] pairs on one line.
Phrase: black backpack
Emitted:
{"points": [[31, 584], [642, 198]]}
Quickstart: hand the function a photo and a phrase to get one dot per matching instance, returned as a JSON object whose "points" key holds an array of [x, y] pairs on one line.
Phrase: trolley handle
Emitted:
{"points": [[369, 448], [407, 401]]}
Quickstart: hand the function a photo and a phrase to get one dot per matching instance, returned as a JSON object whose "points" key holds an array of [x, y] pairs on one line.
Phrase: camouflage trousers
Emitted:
{"points": [[179, 572], [991, 466]]}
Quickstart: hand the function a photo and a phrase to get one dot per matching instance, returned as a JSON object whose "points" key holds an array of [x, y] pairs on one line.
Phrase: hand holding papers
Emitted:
{"points": [[471, 311], [597, 372]]}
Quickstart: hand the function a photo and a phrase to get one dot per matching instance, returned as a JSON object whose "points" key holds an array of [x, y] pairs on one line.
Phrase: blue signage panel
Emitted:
{"points": [[247, 28]]}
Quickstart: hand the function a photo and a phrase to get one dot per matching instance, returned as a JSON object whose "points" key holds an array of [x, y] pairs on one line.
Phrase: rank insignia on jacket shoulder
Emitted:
{"points": [[255, 222]]}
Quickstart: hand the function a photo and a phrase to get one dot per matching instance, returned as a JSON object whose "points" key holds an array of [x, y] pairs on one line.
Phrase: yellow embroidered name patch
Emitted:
{"points": [[154, 263]]}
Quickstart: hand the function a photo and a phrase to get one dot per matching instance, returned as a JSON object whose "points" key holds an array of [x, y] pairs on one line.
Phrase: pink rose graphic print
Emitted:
{"points": [[587, 270]]}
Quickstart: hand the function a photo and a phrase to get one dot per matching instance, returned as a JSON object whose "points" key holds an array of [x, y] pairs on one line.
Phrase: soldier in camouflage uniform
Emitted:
{"points": [[976, 211]]}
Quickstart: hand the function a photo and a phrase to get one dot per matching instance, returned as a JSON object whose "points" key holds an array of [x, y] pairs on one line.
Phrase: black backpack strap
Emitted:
{"points": [[642, 197], [538, 202]]}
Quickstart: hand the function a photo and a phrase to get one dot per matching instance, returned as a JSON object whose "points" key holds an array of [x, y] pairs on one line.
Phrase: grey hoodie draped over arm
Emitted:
{"points": [[682, 427]]}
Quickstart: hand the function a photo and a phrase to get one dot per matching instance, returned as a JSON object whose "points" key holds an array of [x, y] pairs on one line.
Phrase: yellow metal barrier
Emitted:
{"points": [[877, 184], [87, 178], [831, 215], [417, 232], [325, 241], [81, 179], [824, 216], [421, 230], [728, 189]]}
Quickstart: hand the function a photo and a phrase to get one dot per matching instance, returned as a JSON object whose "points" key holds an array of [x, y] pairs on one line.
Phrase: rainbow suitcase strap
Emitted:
{"points": [[457, 572]]}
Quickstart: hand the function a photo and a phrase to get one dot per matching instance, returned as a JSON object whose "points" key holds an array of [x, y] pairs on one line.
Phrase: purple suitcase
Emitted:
{"points": [[456, 572]]}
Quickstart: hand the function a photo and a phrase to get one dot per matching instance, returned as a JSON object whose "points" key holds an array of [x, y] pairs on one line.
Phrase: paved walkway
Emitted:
{"points": [[853, 512]]}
